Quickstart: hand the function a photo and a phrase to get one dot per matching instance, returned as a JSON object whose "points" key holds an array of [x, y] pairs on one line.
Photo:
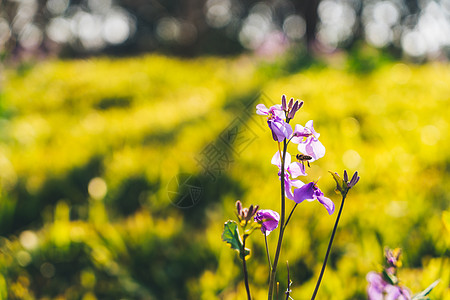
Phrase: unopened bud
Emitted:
{"points": [[245, 214], [291, 102], [293, 110], [354, 180], [283, 103], [239, 207]]}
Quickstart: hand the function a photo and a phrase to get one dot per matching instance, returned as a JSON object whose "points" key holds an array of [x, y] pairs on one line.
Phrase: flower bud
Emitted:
{"points": [[245, 214], [291, 102], [293, 110], [283, 103], [343, 185]]}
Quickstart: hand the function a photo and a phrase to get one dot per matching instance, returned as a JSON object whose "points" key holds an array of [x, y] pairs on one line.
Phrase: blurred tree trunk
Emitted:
{"points": [[309, 10]]}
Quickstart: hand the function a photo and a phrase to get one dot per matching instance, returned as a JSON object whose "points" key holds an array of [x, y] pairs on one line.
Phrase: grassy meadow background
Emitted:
{"points": [[90, 151]]}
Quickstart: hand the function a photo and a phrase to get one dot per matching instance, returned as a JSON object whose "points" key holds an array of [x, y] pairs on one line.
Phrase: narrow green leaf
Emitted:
{"points": [[424, 293], [231, 236], [390, 278]]}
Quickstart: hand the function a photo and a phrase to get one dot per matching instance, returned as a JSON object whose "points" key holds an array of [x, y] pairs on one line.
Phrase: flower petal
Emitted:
{"points": [[327, 203], [278, 111], [297, 169], [280, 129], [304, 193], [310, 127], [313, 148], [277, 161], [269, 218], [277, 130], [376, 286], [262, 110]]}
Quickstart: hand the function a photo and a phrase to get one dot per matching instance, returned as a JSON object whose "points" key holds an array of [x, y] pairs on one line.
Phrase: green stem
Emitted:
{"points": [[268, 254], [328, 249], [280, 236], [288, 291], [290, 215], [247, 287]]}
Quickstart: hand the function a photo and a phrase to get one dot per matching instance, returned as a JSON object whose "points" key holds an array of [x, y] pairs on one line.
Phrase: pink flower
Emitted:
{"points": [[308, 141], [311, 192], [379, 289], [275, 110], [269, 220], [291, 171], [275, 119]]}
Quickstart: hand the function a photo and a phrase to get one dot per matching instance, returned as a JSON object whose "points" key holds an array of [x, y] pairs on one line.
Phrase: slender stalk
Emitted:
{"points": [[247, 287], [288, 281], [278, 290], [328, 249], [290, 215], [280, 236], [268, 254]]}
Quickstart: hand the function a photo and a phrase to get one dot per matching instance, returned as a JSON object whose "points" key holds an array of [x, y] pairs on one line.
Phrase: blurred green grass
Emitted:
{"points": [[89, 151]]}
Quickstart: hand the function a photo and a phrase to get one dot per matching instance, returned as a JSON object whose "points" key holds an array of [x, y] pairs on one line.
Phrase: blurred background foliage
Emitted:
{"points": [[117, 174], [414, 29], [94, 154]]}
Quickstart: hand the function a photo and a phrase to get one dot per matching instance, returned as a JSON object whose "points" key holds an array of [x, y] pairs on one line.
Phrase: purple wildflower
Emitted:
{"points": [[275, 119], [291, 171], [311, 192], [393, 257], [269, 220], [308, 141], [379, 289], [275, 110]]}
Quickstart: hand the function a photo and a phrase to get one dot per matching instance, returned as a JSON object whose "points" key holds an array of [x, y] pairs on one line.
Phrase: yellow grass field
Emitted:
{"points": [[94, 154]]}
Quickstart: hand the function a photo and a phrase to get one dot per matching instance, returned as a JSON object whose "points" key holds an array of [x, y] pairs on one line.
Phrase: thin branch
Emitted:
{"points": [[288, 291], [328, 249], [290, 215], [247, 287], [280, 236], [268, 254]]}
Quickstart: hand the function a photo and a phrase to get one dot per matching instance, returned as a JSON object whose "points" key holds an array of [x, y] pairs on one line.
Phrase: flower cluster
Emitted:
{"points": [[386, 285], [310, 149], [308, 144]]}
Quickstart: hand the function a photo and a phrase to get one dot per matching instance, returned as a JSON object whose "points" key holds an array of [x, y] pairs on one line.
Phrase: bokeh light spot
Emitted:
{"points": [[168, 29], [386, 12], [29, 240], [294, 27], [47, 270], [218, 13], [430, 135], [57, 7], [116, 27], [59, 31], [378, 34], [350, 126], [97, 188], [31, 36], [23, 258], [351, 159], [413, 43]]}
